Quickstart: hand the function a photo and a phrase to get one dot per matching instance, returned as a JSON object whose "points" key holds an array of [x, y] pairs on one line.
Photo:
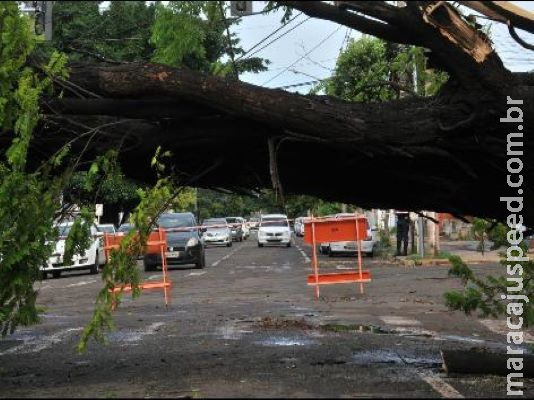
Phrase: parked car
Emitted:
{"points": [[92, 259], [106, 228], [236, 226], [350, 247], [216, 231], [274, 229], [184, 242], [324, 248]]}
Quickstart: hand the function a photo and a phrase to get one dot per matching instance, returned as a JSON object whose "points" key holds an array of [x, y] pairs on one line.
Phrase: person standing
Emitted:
{"points": [[403, 227]]}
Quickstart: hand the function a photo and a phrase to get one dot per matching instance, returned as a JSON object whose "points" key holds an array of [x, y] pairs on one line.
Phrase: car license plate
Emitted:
{"points": [[274, 240], [172, 254]]}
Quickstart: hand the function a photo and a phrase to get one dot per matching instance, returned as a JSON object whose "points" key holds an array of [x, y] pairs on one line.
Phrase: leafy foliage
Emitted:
{"points": [[119, 33], [485, 294], [369, 71], [489, 229], [193, 34], [121, 269], [28, 201]]}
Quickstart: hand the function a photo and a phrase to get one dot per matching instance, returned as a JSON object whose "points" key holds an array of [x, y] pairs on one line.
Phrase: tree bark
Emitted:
{"points": [[446, 153]]}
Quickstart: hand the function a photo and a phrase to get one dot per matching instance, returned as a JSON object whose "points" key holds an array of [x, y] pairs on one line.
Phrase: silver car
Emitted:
{"points": [[216, 231]]}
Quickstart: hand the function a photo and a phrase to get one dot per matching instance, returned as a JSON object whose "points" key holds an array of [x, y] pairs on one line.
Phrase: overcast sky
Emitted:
{"points": [[305, 37]]}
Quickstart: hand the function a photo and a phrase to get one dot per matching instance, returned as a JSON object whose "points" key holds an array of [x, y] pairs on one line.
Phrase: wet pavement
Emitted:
{"points": [[249, 326]]}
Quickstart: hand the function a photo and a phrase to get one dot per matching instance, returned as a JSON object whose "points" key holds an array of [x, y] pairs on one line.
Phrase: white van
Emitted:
{"points": [[274, 229], [351, 247]]}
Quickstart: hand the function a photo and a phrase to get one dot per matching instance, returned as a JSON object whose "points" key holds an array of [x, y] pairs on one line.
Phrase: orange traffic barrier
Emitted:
{"points": [[345, 277], [336, 230], [156, 243]]}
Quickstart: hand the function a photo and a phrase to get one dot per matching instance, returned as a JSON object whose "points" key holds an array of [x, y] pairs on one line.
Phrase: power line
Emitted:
{"points": [[269, 35], [302, 57], [299, 84], [274, 40]]}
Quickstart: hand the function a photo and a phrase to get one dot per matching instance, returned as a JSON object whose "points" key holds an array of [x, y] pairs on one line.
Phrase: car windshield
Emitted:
{"points": [[221, 223], [274, 222], [231, 220], [175, 221], [125, 228], [106, 228]]}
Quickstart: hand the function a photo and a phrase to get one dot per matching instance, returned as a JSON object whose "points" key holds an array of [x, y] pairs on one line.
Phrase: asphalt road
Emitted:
{"points": [[248, 326]]}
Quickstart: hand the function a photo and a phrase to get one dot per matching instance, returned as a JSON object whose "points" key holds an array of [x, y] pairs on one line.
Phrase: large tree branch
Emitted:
{"points": [[504, 11], [461, 49], [408, 160], [319, 9]]}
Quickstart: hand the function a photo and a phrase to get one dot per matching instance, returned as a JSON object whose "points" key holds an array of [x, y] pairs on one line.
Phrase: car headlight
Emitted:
{"points": [[192, 242]]}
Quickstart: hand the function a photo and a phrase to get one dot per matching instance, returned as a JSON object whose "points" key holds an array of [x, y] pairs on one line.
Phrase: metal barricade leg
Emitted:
{"points": [[359, 243], [314, 261]]}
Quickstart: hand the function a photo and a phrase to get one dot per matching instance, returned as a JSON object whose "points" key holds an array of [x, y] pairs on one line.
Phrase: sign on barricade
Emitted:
{"points": [[336, 230], [156, 243]]}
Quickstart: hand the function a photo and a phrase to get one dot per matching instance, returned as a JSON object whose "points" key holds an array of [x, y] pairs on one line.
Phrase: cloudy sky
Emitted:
{"points": [[323, 41]]}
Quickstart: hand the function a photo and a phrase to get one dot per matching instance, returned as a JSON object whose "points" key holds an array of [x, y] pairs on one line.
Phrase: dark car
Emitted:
{"points": [[236, 226], [184, 242]]}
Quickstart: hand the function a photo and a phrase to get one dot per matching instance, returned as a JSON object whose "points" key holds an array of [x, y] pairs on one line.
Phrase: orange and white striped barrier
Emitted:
{"points": [[336, 230], [156, 243]]}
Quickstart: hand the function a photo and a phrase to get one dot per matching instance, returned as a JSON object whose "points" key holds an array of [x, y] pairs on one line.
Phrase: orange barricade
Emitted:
{"points": [[156, 243], [336, 230]]}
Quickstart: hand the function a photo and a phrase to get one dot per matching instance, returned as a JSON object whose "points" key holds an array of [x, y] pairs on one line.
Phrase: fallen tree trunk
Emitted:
{"points": [[446, 153], [479, 361]]}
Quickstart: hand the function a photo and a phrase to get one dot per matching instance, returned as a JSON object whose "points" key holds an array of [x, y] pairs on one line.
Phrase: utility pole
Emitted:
{"points": [[43, 18], [421, 236]]}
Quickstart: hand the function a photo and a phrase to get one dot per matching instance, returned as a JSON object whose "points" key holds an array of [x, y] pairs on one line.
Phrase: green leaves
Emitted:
{"points": [[193, 34], [370, 71], [485, 294], [179, 33]]}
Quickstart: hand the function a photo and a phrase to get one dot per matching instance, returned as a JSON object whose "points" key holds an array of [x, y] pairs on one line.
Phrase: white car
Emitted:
{"points": [[274, 229], [92, 259], [351, 247], [216, 231]]}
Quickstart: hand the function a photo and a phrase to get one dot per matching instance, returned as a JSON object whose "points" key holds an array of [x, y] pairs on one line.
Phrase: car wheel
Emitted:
{"points": [[56, 274], [288, 245], [260, 245], [202, 262], [370, 254], [149, 267], [44, 275]]}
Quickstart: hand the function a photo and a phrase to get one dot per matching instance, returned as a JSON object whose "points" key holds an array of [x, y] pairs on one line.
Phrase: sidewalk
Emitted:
{"points": [[466, 249]]}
